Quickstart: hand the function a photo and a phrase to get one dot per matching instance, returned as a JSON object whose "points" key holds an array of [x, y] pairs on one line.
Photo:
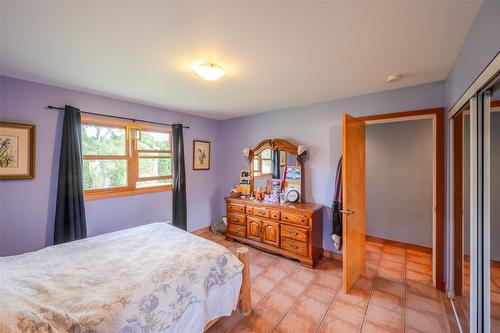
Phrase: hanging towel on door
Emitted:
{"points": [[337, 209]]}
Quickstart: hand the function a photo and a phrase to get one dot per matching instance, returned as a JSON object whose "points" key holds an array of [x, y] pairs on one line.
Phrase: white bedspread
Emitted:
{"points": [[136, 280]]}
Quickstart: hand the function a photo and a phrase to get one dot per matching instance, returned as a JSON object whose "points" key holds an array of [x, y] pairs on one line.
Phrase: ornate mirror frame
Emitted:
{"points": [[273, 144]]}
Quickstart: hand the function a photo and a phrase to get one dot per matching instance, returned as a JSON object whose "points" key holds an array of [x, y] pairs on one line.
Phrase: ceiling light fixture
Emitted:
{"points": [[209, 71]]}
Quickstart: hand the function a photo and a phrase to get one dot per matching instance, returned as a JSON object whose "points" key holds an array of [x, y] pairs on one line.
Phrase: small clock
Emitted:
{"points": [[292, 196]]}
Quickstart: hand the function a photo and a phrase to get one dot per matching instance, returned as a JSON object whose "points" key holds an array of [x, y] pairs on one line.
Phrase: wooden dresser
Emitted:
{"points": [[292, 230]]}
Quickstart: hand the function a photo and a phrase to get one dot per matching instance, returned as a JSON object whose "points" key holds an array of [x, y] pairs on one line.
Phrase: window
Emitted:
{"points": [[263, 163], [114, 165]]}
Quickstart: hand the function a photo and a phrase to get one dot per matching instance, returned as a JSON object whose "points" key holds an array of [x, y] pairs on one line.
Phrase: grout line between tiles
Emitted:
{"points": [[371, 290], [329, 306], [299, 297]]}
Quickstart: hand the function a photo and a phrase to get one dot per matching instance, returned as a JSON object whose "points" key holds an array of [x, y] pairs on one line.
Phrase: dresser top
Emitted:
{"points": [[310, 207]]}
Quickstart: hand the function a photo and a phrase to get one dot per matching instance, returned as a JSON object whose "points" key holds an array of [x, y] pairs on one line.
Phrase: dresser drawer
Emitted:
{"points": [[294, 233], [249, 210], [294, 246], [261, 211], [236, 219], [236, 230], [274, 214], [294, 218], [237, 208]]}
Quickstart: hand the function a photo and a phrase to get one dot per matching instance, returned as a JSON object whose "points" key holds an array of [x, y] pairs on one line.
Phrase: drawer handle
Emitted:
{"points": [[285, 217], [293, 233], [293, 246], [235, 219]]}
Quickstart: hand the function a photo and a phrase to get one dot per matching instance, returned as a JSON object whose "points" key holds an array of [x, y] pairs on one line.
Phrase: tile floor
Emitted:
{"points": [[395, 294]]}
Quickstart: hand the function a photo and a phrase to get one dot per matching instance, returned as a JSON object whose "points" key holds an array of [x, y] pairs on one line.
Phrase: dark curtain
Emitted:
{"points": [[179, 209], [276, 164], [70, 222]]}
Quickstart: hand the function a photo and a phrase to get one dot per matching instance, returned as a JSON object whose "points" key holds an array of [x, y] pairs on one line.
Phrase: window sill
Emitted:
{"points": [[96, 195]]}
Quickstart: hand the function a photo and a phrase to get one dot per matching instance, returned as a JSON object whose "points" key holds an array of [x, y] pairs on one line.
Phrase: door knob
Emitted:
{"points": [[347, 211]]}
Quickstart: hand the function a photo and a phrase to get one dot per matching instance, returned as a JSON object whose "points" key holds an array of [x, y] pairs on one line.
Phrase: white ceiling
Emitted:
{"points": [[276, 54]]}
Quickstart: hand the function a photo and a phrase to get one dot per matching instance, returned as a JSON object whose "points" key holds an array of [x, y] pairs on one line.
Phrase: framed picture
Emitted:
{"points": [[201, 155], [282, 158], [17, 151]]}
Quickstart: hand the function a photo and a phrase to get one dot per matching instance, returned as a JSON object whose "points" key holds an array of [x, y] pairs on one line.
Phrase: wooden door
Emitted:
{"points": [[271, 233], [353, 200], [253, 228]]}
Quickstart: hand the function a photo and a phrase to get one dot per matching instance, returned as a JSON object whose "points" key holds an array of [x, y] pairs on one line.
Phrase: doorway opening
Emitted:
{"points": [[428, 240]]}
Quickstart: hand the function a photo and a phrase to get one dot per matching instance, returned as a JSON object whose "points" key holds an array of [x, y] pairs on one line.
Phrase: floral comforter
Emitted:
{"points": [[136, 280]]}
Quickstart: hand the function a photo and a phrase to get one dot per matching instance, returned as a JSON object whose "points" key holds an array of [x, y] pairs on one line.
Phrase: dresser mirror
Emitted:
{"points": [[270, 159]]}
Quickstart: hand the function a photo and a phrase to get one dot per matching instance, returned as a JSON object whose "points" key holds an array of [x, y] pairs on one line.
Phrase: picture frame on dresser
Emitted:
{"points": [[17, 151]]}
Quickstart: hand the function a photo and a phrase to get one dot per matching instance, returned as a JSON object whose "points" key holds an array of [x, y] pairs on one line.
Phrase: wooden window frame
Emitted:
{"points": [[260, 159], [132, 156]]}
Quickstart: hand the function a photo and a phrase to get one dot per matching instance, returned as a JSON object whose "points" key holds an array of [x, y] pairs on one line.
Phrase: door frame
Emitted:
{"points": [[437, 115]]}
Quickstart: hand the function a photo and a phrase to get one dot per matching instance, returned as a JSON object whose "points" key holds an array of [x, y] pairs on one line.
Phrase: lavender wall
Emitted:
{"points": [[318, 127], [480, 47], [27, 206]]}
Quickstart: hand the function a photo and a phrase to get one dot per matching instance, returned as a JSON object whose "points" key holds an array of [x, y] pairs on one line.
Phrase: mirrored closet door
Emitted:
{"points": [[475, 197], [491, 100]]}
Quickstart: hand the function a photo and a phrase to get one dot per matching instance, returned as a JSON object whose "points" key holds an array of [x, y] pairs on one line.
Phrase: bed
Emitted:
{"points": [[152, 278]]}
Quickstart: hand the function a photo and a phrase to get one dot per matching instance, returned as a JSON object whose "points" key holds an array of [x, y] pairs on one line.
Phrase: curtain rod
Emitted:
{"points": [[116, 117]]}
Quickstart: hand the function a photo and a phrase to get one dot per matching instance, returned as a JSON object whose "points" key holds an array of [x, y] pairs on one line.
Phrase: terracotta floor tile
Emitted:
{"points": [[242, 328], [347, 312], [495, 326], [277, 300], [229, 322], [425, 322], [311, 308], [419, 259], [383, 317], [304, 276], [216, 328], [287, 265], [375, 243], [418, 253], [393, 257], [372, 263], [391, 287], [392, 265], [264, 260], [417, 276], [354, 296], [289, 298], [262, 284], [274, 274], [363, 284], [394, 250], [423, 289], [321, 294], [373, 255], [334, 325], [295, 322], [369, 273], [387, 301], [369, 327], [424, 304], [390, 274], [417, 267], [326, 280], [291, 287], [263, 319], [256, 269]]}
